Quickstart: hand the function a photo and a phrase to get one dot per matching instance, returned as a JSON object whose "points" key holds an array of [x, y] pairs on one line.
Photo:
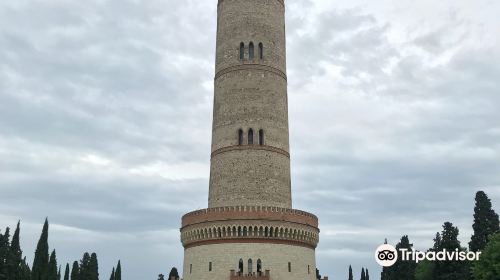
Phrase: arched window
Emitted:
{"points": [[250, 266], [261, 51], [250, 136], [261, 137], [242, 51], [240, 266], [259, 266], [250, 51], [240, 137]]}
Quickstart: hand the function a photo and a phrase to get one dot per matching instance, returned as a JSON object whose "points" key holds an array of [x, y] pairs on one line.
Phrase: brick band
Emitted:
{"points": [[249, 240]]}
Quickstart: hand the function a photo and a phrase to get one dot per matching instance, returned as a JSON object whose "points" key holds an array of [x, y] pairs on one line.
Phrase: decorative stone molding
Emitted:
{"points": [[250, 66], [250, 147], [282, 2]]}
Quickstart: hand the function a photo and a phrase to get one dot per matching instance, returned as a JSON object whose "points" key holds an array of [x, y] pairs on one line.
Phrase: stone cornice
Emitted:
{"points": [[250, 147], [282, 2], [259, 67], [249, 240]]}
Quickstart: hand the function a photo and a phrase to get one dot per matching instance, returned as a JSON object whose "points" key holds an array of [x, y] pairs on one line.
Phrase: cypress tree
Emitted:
{"points": [[93, 267], [41, 262], [486, 222], [118, 272], [367, 275], [52, 271], [75, 271], [363, 276], [25, 270], [85, 273], [4, 253], [15, 256], [449, 270], [351, 277], [66, 272], [112, 277]]}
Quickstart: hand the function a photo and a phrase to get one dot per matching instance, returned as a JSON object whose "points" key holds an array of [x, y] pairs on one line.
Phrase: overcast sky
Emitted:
{"points": [[105, 123]]}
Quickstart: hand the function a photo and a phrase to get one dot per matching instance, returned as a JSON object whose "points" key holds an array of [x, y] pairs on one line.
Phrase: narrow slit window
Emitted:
{"points": [[250, 51], [261, 51], [190, 268], [210, 266], [289, 267], [250, 136], [261, 137], [242, 51], [240, 137]]}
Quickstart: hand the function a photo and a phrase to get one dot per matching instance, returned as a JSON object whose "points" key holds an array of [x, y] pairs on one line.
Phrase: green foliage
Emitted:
{"points": [[486, 222], [363, 275], [449, 270], [367, 275], [112, 277], [401, 269], [15, 256], [66, 272], [52, 269], [93, 268], [75, 271], [118, 271], [488, 266], [85, 273], [351, 277], [424, 270], [41, 262]]}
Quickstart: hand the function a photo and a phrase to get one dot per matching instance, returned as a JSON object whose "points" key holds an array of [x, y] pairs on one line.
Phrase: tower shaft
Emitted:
{"points": [[250, 160]]}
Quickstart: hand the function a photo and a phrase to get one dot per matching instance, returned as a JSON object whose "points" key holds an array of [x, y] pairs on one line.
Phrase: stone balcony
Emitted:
{"points": [[249, 276]]}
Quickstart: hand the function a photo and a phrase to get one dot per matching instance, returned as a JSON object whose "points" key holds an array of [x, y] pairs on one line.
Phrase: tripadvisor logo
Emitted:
{"points": [[386, 255]]}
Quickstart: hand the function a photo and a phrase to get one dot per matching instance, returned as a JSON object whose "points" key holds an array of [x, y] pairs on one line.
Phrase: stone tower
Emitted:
{"points": [[249, 228]]}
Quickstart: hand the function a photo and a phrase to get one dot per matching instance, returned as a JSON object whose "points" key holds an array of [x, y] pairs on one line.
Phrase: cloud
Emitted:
{"points": [[105, 123]]}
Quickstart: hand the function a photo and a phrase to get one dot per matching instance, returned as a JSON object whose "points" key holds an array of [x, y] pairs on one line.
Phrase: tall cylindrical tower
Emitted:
{"points": [[250, 162], [249, 229]]}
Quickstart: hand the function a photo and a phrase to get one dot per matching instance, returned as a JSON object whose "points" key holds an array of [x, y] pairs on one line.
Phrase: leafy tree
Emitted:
{"points": [[488, 266], [173, 273], [401, 269], [450, 270], [118, 271], [66, 272], [161, 277], [424, 270], [351, 277], [75, 271], [41, 262], [318, 276], [52, 269], [367, 275], [486, 222], [4, 253]]}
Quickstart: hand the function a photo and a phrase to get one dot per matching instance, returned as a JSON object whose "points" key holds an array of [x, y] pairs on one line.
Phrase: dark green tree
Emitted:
{"points": [[118, 271], [15, 256], [424, 270], [486, 222], [173, 273], [93, 267], [66, 272], [41, 262], [112, 277], [367, 275], [449, 270], [386, 272], [75, 271], [351, 277], [4, 253], [25, 270], [161, 277], [59, 273], [401, 269], [363, 275], [488, 266], [52, 270], [85, 273]]}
